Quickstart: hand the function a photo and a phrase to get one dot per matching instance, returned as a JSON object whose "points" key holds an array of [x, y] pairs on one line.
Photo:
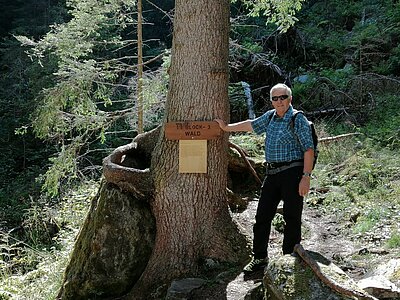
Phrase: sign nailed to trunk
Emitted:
{"points": [[192, 138], [196, 130], [193, 156]]}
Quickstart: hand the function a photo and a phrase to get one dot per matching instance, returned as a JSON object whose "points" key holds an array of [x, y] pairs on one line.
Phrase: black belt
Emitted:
{"points": [[276, 167]]}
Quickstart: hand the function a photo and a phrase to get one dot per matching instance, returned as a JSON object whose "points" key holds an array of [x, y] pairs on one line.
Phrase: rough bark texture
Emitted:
{"points": [[115, 242], [129, 165], [117, 237], [193, 220]]}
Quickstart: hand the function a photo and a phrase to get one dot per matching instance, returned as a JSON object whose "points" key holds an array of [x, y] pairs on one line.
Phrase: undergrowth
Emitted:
{"points": [[34, 271], [358, 181]]}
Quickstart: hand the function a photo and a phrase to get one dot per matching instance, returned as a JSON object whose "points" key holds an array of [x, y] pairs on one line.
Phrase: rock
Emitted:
{"points": [[112, 248], [380, 287], [289, 278], [182, 289], [384, 281], [390, 270]]}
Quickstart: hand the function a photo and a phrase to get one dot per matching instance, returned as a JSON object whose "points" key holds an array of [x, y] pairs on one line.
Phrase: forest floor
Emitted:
{"points": [[322, 233]]}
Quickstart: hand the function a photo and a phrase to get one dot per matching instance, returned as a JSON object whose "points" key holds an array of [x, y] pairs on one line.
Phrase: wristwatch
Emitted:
{"points": [[306, 174]]}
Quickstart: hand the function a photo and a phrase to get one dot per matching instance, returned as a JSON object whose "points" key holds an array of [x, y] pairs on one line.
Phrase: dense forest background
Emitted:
{"points": [[68, 91]]}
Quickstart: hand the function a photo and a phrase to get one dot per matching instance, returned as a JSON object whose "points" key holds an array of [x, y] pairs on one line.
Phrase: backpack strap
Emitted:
{"points": [[295, 113], [270, 118], [292, 123]]}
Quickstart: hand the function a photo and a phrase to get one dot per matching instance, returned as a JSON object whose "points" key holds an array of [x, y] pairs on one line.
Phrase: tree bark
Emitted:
{"points": [[191, 212], [129, 166]]}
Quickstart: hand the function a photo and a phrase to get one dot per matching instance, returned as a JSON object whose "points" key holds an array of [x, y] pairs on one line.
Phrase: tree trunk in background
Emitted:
{"points": [[140, 68], [191, 212]]}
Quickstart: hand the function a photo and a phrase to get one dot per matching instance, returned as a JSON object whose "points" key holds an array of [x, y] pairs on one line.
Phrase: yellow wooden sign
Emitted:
{"points": [[193, 156], [196, 130]]}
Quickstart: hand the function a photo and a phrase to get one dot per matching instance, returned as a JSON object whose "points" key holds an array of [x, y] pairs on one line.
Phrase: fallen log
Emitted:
{"points": [[337, 137]]}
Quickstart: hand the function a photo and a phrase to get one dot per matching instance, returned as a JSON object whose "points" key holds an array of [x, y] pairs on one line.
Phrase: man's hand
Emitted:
{"points": [[221, 124], [304, 186]]}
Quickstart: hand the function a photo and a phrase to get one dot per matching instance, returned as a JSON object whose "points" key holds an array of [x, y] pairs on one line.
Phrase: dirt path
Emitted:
{"points": [[321, 233]]}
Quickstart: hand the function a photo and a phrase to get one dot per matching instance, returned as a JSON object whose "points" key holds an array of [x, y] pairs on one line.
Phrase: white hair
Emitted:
{"points": [[281, 86]]}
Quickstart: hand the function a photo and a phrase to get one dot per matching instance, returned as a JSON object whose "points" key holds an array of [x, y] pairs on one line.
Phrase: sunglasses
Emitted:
{"points": [[281, 97]]}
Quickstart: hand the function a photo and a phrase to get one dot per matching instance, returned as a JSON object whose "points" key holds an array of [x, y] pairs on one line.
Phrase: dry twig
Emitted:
{"points": [[337, 137]]}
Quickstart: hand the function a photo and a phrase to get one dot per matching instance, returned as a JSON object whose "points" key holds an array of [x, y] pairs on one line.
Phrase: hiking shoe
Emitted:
{"points": [[255, 265]]}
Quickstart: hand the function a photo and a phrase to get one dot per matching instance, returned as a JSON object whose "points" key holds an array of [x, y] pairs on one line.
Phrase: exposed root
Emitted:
{"points": [[128, 166], [243, 155], [340, 289]]}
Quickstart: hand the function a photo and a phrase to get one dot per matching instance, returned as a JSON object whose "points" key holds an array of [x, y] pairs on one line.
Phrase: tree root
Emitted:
{"points": [[243, 155], [340, 289], [128, 166]]}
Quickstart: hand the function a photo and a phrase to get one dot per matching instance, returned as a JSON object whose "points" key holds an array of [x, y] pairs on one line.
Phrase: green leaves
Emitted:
{"points": [[282, 13], [77, 108], [63, 166]]}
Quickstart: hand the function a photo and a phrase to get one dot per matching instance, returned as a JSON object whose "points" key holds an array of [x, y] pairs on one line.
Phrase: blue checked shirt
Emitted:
{"points": [[281, 145]]}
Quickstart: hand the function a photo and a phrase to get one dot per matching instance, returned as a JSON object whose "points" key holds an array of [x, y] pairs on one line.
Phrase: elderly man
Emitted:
{"points": [[289, 155]]}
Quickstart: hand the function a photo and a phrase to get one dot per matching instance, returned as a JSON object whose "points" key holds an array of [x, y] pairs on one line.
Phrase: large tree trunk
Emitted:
{"points": [[191, 212]]}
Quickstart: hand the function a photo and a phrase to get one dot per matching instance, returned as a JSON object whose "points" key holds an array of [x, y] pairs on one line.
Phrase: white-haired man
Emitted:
{"points": [[289, 156]]}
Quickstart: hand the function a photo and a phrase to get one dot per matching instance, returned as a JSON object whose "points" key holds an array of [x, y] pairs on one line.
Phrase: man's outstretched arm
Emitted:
{"points": [[234, 127]]}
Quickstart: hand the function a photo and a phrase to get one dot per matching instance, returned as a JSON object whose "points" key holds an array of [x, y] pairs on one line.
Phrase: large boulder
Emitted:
{"points": [[112, 248]]}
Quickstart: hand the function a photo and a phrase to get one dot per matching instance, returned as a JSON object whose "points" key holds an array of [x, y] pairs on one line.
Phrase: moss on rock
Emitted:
{"points": [[112, 248], [289, 278]]}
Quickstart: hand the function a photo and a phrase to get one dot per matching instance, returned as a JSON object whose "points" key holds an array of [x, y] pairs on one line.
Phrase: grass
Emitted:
{"points": [[252, 143], [363, 183], [41, 283], [18, 280], [394, 240]]}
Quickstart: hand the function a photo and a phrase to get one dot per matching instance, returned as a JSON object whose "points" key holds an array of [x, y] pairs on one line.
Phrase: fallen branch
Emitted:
{"points": [[330, 283], [243, 155], [337, 137], [327, 111]]}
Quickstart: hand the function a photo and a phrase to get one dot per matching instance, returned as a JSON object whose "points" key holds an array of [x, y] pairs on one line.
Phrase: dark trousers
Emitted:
{"points": [[281, 186]]}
